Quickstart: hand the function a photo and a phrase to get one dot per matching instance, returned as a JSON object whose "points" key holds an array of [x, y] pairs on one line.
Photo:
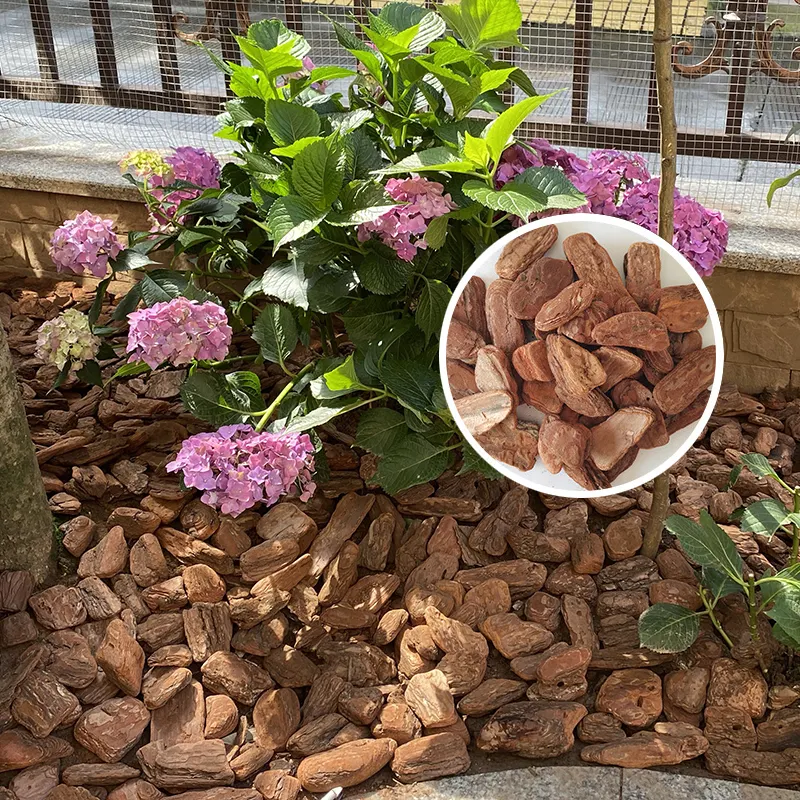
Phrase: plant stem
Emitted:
{"points": [[277, 401], [753, 621], [795, 529], [658, 511], [713, 617], [331, 334]]}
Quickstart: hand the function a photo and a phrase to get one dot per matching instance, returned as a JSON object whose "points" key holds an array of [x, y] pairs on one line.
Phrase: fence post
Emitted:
{"points": [[104, 47], [43, 36], [581, 61]]}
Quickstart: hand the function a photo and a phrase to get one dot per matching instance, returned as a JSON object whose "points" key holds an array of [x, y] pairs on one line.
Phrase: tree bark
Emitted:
{"points": [[26, 526], [662, 55]]}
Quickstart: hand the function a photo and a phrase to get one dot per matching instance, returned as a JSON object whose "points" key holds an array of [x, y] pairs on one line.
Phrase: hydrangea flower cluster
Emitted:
{"points": [[191, 164], [701, 234], [67, 337], [84, 245], [236, 467], [308, 67], [179, 331], [144, 164], [404, 226]]}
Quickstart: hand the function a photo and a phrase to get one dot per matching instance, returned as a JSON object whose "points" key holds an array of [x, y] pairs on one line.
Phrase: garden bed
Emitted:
{"points": [[318, 643]]}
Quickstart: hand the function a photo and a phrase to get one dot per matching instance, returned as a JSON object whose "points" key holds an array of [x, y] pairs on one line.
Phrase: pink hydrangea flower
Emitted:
{"points": [[85, 245], [404, 226], [179, 331], [237, 468], [191, 164], [701, 234]]}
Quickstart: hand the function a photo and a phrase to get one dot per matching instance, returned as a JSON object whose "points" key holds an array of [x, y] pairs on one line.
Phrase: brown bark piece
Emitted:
{"points": [[481, 412], [562, 444], [632, 393], [510, 444], [575, 369], [346, 765], [506, 332], [568, 303], [434, 756], [593, 265], [639, 329], [522, 251], [618, 364], [493, 371], [693, 374], [542, 396], [530, 362], [643, 274], [682, 308], [461, 379], [347, 516], [471, 306], [581, 327], [540, 282], [612, 439], [594, 404], [463, 342]]}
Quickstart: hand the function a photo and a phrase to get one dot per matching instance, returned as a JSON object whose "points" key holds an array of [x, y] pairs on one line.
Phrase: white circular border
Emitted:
{"points": [[598, 225]]}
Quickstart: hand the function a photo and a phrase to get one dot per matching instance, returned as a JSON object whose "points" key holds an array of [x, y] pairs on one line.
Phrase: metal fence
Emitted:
{"points": [[737, 99]]}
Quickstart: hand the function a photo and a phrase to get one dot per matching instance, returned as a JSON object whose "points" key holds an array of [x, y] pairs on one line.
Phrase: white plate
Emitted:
{"points": [[616, 236]]}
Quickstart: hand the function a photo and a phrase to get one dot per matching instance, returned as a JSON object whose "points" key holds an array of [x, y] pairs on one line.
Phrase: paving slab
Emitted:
{"points": [[643, 784]]}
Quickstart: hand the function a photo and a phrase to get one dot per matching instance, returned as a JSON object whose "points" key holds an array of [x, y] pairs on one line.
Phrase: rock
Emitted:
{"points": [[42, 704], [78, 534], [428, 695], [17, 629], [107, 558], [222, 716], [181, 719], [623, 537], [646, 749], [147, 563], [121, 658], [430, 757], [537, 729], [191, 765], [35, 783], [769, 769], [208, 629], [347, 765], [203, 585], [599, 727], [513, 637], [588, 554], [735, 686], [491, 695], [633, 696], [58, 607], [98, 774], [275, 784], [111, 729], [136, 789], [226, 673], [276, 716], [161, 684], [730, 726], [20, 749]]}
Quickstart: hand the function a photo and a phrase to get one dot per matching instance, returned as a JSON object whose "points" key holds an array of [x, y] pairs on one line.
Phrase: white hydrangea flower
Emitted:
{"points": [[67, 336]]}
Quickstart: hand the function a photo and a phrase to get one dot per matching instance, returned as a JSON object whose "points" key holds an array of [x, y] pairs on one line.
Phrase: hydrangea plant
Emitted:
{"points": [[335, 236]]}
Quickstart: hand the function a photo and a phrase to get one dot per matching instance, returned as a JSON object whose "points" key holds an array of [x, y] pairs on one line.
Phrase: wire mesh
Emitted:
{"points": [[599, 52]]}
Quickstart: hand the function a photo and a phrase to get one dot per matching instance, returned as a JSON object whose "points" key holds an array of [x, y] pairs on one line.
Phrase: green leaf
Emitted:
{"points": [[99, 297], [320, 74], [379, 430], [222, 399], [475, 463], [90, 373], [362, 157], [413, 460], [484, 24], [707, 544], [381, 275], [288, 122], [734, 476], [719, 584], [128, 303], [517, 199], [433, 301], [499, 133], [759, 466], [332, 290], [366, 55], [313, 251], [286, 281], [343, 378], [430, 27], [784, 638], [494, 78], [366, 319], [779, 183], [415, 385], [361, 202], [668, 628], [131, 259], [276, 333], [324, 413], [270, 33], [261, 165], [161, 286], [290, 218], [293, 149], [129, 370], [435, 159], [317, 174], [764, 516], [553, 184], [772, 585], [436, 232], [786, 612]]}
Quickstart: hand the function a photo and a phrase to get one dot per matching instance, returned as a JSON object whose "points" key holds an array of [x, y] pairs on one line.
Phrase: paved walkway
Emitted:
{"points": [[579, 783]]}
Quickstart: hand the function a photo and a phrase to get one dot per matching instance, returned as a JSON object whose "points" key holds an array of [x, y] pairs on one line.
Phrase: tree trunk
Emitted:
{"points": [[662, 54], [26, 527]]}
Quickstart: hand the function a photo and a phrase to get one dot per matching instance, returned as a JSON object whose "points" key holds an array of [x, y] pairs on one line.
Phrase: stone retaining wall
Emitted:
{"points": [[759, 310]]}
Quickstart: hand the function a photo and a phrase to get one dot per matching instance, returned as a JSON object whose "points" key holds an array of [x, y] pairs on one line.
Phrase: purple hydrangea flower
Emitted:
{"points": [[700, 233], [237, 467], [191, 164], [404, 226], [84, 245], [179, 331]]}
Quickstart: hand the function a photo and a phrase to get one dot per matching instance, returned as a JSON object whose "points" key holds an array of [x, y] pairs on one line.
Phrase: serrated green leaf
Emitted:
{"points": [[517, 199], [435, 159], [734, 476], [366, 319], [286, 281], [472, 462], [379, 430], [317, 174], [772, 585], [411, 461], [129, 370], [261, 165], [271, 33], [220, 399], [99, 298], [295, 148], [130, 259], [128, 303], [764, 516], [707, 544], [332, 290], [343, 378], [288, 122], [781, 635], [161, 286], [381, 275], [433, 301], [275, 331], [786, 612], [436, 232], [323, 414], [759, 466], [415, 385], [90, 373], [362, 157], [718, 583], [290, 218], [484, 24], [553, 185], [499, 133], [668, 628], [361, 202]]}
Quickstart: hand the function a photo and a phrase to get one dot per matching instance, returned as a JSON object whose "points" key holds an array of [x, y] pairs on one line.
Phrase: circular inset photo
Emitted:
{"points": [[581, 355]]}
